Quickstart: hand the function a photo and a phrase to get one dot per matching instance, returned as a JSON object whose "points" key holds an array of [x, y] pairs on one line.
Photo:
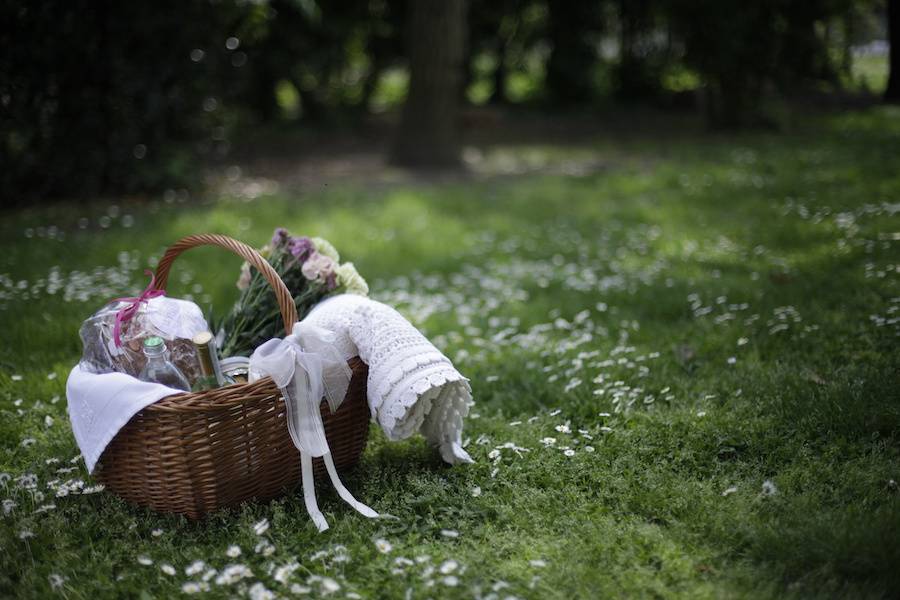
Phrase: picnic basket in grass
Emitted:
{"points": [[194, 453]]}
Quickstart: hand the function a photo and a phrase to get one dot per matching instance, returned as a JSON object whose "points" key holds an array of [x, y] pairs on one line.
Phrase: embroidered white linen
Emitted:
{"points": [[412, 387], [306, 367], [102, 404]]}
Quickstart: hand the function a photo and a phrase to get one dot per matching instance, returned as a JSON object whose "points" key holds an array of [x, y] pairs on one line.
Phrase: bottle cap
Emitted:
{"points": [[152, 342], [203, 338]]}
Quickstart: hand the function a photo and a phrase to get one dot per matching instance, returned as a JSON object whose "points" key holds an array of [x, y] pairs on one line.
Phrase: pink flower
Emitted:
{"points": [[318, 267]]}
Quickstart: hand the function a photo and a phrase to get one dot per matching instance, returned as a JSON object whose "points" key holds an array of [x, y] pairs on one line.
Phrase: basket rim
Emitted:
{"points": [[216, 399], [227, 397]]}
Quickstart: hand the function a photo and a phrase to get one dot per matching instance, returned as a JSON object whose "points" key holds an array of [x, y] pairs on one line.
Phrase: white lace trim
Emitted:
{"points": [[412, 386]]}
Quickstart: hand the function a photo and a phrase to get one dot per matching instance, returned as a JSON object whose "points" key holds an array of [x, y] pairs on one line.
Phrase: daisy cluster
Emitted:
{"points": [[259, 572], [438, 574], [74, 286]]}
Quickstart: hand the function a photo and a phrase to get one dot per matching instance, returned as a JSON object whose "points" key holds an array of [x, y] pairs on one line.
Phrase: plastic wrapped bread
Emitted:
{"points": [[174, 320]]}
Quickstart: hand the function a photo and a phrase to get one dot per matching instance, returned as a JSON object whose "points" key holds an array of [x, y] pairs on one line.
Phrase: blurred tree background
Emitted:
{"points": [[106, 97]]}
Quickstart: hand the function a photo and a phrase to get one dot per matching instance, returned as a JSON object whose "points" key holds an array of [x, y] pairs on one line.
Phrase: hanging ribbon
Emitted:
{"points": [[127, 313], [306, 367]]}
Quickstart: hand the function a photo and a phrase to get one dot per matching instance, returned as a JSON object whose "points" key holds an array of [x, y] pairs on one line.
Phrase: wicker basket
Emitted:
{"points": [[194, 453]]}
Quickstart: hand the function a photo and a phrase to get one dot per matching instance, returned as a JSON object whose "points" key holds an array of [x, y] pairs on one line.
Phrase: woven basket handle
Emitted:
{"points": [[282, 294]]}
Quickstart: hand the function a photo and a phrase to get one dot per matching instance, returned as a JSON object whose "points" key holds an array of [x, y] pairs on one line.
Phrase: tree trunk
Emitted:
{"points": [[892, 94], [429, 130], [572, 58], [634, 80], [498, 95]]}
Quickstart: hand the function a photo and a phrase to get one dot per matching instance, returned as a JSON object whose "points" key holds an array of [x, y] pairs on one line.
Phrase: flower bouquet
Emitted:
{"points": [[311, 270]]}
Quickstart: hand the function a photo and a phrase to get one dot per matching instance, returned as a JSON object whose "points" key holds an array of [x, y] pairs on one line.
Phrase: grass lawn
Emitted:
{"points": [[685, 362]]}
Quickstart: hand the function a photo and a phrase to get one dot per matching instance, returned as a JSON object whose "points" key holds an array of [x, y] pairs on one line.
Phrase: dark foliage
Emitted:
{"points": [[115, 96], [106, 97]]}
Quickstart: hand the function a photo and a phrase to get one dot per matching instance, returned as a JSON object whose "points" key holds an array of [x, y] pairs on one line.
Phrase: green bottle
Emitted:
{"points": [[211, 376]]}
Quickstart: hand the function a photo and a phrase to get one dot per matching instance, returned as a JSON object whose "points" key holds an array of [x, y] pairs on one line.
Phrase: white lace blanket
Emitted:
{"points": [[412, 387]]}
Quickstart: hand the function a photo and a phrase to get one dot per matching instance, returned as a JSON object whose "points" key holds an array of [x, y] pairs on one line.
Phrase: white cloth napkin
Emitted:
{"points": [[412, 387], [101, 404]]}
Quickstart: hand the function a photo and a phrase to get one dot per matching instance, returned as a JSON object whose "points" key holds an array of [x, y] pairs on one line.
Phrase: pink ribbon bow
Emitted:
{"points": [[127, 313]]}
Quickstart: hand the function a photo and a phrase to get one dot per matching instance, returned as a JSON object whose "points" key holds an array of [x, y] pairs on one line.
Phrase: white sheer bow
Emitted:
{"points": [[306, 367]]}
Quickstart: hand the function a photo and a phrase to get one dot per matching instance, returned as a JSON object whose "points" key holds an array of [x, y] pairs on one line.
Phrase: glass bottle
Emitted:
{"points": [[211, 376], [159, 369]]}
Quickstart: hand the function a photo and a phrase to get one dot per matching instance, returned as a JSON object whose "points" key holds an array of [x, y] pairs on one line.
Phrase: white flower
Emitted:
{"points": [[729, 491], [383, 546], [574, 383], [318, 267], [325, 247], [156, 532], [192, 587], [48, 421], [588, 448], [243, 281], [25, 534], [329, 585], [769, 488], [548, 441], [476, 491], [351, 280], [194, 568], [56, 581], [450, 581], [494, 454], [321, 554], [284, 572], [233, 574], [299, 590], [448, 566], [265, 548], [261, 527], [167, 569], [538, 563], [8, 506], [563, 428], [449, 533], [233, 551], [259, 592], [569, 452], [145, 560]]}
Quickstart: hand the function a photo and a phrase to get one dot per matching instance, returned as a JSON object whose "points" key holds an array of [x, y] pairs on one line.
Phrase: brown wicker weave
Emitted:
{"points": [[194, 453]]}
